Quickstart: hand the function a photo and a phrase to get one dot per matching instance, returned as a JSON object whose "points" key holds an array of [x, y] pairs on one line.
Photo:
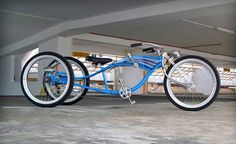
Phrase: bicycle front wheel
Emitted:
{"points": [[47, 79], [192, 84]]}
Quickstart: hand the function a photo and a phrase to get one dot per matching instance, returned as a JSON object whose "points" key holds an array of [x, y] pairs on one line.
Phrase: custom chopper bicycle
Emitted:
{"points": [[190, 82]]}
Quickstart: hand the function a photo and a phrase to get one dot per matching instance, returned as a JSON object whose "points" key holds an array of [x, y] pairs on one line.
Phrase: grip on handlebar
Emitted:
{"points": [[136, 44], [148, 49]]}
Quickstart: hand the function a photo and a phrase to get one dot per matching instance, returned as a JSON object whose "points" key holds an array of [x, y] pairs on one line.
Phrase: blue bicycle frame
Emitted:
{"points": [[147, 63]]}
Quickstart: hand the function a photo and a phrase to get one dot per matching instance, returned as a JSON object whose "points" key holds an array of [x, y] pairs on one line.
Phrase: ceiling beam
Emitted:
{"points": [[84, 25], [125, 43]]}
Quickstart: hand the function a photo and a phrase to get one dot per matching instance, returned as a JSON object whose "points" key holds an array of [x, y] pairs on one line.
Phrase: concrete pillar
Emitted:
{"points": [[131, 77], [11, 66], [59, 45], [8, 85]]}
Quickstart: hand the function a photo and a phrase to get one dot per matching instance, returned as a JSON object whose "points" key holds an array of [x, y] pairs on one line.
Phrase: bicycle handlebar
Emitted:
{"points": [[136, 44], [155, 48], [141, 44], [149, 50]]}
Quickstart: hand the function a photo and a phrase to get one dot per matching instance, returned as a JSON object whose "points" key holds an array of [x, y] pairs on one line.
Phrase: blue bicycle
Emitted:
{"points": [[190, 82]]}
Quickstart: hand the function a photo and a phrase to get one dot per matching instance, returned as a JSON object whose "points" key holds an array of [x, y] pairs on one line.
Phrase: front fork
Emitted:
{"points": [[166, 59]]}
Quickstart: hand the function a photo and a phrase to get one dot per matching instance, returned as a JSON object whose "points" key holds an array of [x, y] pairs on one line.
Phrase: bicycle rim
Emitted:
{"points": [[77, 91], [35, 80], [199, 81]]}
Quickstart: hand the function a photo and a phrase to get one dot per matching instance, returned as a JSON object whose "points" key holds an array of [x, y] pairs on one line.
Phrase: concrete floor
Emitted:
{"points": [[110, 120]]}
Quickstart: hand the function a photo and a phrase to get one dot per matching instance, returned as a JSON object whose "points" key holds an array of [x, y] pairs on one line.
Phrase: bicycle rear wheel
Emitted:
{"points": [[79, 70], [47, 79], [194, 83]]}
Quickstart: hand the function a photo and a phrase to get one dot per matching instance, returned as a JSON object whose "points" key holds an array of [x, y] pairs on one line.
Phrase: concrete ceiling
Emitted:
{"points": [[158, 21], [22, 18], [171, 30]]}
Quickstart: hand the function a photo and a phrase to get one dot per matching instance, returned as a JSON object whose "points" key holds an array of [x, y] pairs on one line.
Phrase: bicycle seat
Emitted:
{"points": [[97, 61]]}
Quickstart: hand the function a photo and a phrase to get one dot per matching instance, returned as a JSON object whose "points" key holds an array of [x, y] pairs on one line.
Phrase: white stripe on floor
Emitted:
{"points": [[56, 108], [80, 108], [16, 107]]}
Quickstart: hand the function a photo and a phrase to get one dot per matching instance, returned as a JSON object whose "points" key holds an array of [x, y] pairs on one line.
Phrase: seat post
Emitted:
{"points": [[133, 61]]}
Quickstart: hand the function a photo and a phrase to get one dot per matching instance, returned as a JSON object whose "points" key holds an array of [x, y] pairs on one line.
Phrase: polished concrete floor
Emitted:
{"points": [[110, 120]]}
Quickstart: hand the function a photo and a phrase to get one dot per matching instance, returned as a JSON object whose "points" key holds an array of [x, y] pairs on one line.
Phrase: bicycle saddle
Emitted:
{"points": [[97, 61]]}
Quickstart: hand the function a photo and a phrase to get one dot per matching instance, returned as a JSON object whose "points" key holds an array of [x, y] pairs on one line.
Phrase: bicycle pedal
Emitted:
{"points": [[131, 102]]}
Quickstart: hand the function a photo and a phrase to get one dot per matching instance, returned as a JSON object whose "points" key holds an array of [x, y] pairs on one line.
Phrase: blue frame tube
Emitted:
{"points": [[136, 87], [149, 70], [105, 80], [111, 66]]}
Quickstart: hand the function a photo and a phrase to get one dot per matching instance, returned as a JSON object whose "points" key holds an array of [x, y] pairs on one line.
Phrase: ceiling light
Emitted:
{"points": [[211, 27]]}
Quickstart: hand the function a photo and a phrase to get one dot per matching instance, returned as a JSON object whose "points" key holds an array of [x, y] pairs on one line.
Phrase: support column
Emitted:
{"points": [[132, 77], [59, 45], [11, 65], [8, 85], [18, 67]]}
